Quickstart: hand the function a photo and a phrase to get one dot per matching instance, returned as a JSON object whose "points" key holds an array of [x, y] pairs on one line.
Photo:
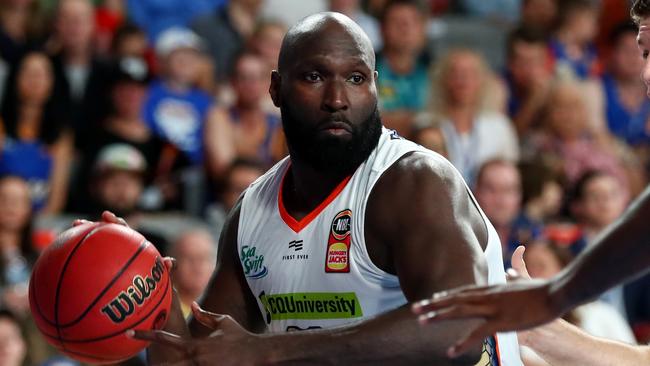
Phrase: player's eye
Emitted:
{"points": [[356, 79], [645, 54], [313, 77]]}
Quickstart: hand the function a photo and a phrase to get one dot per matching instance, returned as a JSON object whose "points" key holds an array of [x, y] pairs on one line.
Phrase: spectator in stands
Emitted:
{"points": [[13, 345], [626, 106], [566, 138], [79, 75], [572, 45], [180, 113], [498, 192], [256, 134], [542, 191], [429, 134], [403, 64], [226, 32], [109, 16], [196, 257], [21, 26], [545, 260], [156, 16], [539, 15], [129, 41], [267, 41], [352, 8], [117, 186], [240, 175], [473, 133], [37, 143], [597, 200], [17, 252], [528, 77], [17, 257], [124, 124], [500, 11]]}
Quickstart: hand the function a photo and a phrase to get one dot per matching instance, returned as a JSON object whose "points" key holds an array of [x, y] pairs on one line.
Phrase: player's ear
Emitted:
{"points": [[274, 89], [375, 75]]}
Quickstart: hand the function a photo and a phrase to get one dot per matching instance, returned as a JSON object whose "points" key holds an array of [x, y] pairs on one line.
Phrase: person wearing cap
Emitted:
{"points": [[117, 184], [124, 124], [178, 112], [80, 76]]}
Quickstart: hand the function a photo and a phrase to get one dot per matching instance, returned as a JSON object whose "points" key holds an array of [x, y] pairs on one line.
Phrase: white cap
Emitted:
{"points": [[120, 157], [175, 38]]}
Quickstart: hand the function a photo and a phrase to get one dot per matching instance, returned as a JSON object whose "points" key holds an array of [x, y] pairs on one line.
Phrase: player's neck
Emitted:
{"points": [[305, 187]]}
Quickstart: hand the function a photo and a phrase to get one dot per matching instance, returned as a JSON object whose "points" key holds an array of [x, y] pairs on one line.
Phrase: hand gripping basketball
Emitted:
{"points": [[97, 280]]}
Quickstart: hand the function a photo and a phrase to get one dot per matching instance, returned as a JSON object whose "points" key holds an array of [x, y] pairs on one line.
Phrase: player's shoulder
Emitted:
{"points": [[418, 176], [424, 165]]}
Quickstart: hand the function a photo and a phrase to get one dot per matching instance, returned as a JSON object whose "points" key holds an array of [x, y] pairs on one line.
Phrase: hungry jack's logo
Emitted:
{"points": [[337, 258]]}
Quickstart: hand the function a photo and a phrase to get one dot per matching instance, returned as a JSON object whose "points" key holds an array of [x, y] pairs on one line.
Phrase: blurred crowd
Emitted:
{"points": [[158, 110]]}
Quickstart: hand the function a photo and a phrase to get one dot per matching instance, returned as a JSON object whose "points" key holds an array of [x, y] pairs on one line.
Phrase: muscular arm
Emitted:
{"points": [[560, 343], [228, 293], [421, 213], [618, 255]]}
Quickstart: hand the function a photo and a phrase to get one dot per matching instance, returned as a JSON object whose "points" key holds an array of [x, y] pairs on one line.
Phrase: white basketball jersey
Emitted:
{"points": [[316, 272]]}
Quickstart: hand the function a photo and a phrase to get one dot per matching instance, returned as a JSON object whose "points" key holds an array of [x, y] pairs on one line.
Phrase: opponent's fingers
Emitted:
{"points": [[209, 319], [518, 262], [473, 339], [158, 336], [110, 217], [445, 299], [460, 311]]}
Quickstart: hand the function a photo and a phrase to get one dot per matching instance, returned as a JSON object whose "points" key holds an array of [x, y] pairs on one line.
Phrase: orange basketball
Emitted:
{"points": [[93, 283]]}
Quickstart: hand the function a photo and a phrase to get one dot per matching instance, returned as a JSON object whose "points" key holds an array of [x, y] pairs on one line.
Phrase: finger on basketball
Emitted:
{"points": [[170, 263], [78, 222], [111, 218]]}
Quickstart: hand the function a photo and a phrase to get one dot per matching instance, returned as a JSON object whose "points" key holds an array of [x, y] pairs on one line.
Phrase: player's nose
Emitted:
{"points": [[335, 96]]}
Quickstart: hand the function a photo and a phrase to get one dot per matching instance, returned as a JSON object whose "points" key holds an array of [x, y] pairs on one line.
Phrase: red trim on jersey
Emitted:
{"points": [[496, 345], [296, 225]]}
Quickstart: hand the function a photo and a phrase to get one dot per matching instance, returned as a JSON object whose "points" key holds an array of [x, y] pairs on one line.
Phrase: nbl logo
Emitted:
{"points": [[341, 225], [141, 289]]}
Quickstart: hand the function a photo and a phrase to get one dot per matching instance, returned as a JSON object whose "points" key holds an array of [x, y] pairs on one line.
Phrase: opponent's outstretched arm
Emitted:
{"points": [[618, 255], [432, 233]]}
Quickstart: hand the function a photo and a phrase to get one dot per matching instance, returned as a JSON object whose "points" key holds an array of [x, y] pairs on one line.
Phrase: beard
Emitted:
{"points": [[330, 154]]}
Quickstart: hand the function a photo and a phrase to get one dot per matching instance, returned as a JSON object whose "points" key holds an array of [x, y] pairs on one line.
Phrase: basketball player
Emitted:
{"points": [[325, 251], [618, 256]]}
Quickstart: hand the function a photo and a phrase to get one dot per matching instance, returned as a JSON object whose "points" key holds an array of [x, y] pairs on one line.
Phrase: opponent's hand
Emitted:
{"points": [[516, 306], [228, 344]]}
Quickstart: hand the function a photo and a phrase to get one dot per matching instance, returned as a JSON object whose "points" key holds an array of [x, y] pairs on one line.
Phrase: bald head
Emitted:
{"points": [[325, 32]]}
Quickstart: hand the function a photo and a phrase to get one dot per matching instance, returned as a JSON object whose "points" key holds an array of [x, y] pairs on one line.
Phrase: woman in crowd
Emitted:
{"points": [[473, 133], [36, 143]]}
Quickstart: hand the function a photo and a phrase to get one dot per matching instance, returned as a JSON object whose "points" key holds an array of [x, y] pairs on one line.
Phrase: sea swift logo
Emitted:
{"points": [[311, 305], [337, 257], [142, 288], [252, 263]]}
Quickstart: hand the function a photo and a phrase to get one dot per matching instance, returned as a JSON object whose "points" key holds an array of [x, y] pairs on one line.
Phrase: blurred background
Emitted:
{"points": [[159, 111]]}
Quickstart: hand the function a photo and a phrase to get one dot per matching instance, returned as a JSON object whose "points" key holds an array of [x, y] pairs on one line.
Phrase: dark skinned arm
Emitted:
{"points": [[618, 255], [228, 293], [420, 214]]}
